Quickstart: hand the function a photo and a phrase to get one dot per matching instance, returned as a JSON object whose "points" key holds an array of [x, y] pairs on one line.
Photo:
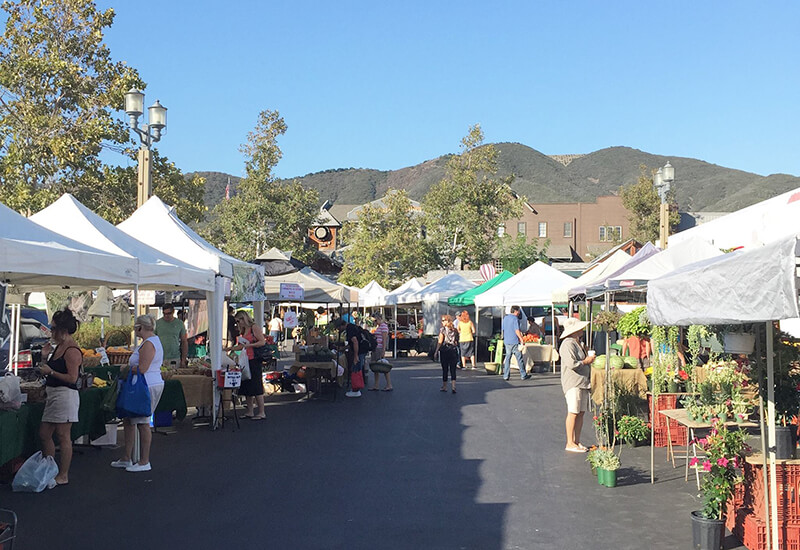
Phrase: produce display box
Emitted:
{"points": [[752, 531], [788, 488]]}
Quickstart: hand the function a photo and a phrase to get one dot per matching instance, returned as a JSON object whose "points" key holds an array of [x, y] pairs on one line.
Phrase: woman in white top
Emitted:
{"points": [[147, 360]]}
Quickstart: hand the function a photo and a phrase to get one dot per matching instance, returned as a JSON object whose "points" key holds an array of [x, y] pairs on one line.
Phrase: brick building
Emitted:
{"points": [[577, 231]]}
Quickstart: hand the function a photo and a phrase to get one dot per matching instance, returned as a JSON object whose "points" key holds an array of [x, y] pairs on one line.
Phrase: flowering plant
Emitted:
{"points": [[676, 374], [728, 374], [724, 456], [632, 429]]}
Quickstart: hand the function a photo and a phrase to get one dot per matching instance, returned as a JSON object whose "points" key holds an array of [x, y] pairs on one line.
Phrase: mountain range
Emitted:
{"points": [[699, 185]]}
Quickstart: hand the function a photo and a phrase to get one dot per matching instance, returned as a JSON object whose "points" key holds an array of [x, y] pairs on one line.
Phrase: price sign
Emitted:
{"points": [[290, 319], [292, 292]]}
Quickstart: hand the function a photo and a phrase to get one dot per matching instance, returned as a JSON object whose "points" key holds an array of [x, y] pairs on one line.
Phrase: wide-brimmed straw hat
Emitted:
{"points": [[571, 326]]}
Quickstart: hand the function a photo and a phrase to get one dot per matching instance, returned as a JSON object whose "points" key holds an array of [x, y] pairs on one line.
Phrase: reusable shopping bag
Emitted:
{"points": [[35, 474], [134, 396], [357, 380], [244, 365]]}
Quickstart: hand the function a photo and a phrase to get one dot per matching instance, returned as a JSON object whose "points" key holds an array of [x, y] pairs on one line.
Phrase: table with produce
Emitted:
{"points": [[625, 372]]}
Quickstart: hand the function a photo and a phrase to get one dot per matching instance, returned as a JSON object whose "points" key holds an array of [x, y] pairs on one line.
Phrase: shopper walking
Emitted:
{"points": [[466, 340], [382, 338], [447, 350], [512, 338]]}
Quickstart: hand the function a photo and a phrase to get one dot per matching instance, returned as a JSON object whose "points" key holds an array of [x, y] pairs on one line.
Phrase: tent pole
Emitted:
{"points": [[394, 355], [13, 355], [773, 489], [555, 338]]}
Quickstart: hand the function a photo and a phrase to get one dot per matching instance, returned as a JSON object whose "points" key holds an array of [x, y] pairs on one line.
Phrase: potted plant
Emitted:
{"points": [[694, 410], [634, 323], [592, 459], [741, 410], [632, 429], [607, 465], [724, 451]]}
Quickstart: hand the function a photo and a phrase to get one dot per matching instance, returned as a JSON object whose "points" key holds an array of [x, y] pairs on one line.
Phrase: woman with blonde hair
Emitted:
{"points": [[466, 339], [251, 337], [146, 361], [447, 349]]}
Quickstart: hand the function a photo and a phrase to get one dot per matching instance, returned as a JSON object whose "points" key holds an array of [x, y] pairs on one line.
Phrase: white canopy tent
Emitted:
{"points": [[597, 273], [533, 286], [757, 224], [316, 288], [157, 225], [395, 296], [757, 285], [664, 262], [32, 256], [157, 270], [371, 294]]}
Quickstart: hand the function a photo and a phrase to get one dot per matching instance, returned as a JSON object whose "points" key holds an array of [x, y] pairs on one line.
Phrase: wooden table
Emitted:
{"points": [[632, 379], [535, 353], [317, 370], [681, 416]]}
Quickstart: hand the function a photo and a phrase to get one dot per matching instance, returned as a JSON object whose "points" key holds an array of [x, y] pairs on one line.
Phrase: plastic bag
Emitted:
{"points": [[110, 398], [357, 380], [35, 474], [134, 397], [10, 394], [244, 365]]}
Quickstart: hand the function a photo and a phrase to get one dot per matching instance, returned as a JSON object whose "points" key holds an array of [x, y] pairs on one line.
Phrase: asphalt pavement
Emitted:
{"points": [[484, 468]]}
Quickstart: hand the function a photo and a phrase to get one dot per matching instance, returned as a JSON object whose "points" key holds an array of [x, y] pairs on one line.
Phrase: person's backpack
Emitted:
{"points": [[367, 341]]}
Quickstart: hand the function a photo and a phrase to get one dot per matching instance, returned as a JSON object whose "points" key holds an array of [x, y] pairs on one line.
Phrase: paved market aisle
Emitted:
{"points": [[415, 468]]}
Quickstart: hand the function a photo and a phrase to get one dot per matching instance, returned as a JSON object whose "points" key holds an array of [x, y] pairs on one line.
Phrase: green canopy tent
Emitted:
{"points": [[468, 298]]}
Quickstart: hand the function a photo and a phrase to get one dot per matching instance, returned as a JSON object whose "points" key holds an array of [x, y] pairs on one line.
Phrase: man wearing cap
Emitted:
{"points": [[575, 380], [512, 338]]}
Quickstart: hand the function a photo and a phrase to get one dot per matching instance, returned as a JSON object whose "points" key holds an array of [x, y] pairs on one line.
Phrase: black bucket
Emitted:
{"points": [[785, 441], [707, 534]]}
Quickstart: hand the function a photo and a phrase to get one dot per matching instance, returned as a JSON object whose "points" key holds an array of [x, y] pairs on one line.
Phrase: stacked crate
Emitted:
{"points": [[677, 432]]}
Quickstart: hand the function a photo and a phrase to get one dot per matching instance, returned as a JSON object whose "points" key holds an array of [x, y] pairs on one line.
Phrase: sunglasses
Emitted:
{"points": [[137, 327]]}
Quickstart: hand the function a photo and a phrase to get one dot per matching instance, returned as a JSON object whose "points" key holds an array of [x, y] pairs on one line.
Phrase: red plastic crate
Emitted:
{"points": [[663, 403], [788, 488], [754, 534], [677, 434]]}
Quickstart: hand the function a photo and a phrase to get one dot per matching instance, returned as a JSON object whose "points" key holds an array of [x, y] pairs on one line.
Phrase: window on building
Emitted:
{"points": [[611, 234], [522, 228], [567, 229], [618, 233], [602, 233], [501, 230], [543, 229], [498, 265]]}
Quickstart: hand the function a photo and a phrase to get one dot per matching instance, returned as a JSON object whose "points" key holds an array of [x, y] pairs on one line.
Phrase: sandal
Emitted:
{"points": [[443, 389], [388, 389], [373, 389], [247, 416]]}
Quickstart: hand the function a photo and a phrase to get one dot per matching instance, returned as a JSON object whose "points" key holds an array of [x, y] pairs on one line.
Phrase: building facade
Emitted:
{"points": [[576, 231]]}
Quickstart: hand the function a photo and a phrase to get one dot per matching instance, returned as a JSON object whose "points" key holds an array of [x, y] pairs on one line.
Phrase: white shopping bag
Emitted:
{"points": [[35, 474]]}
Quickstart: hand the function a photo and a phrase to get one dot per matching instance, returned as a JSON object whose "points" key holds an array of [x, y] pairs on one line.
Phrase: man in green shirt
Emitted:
{"points": [[172, 333]]}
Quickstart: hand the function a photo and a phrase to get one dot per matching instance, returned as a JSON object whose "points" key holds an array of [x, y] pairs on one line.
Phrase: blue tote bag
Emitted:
{"points": [[134, 396]]}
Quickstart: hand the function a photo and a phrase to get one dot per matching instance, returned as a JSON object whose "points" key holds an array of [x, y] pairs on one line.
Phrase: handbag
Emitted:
{"points": [[244, 365], [134, 396], [357, 380], [110, 398]]}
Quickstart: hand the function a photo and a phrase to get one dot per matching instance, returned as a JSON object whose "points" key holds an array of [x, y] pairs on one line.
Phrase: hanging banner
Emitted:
{"points": [[290, 319], [292, 292], [247, 285]]}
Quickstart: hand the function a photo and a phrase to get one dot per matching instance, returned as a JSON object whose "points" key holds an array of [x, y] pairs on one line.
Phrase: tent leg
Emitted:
{"points": [[394, 355], [553, 330], [773, 489]]}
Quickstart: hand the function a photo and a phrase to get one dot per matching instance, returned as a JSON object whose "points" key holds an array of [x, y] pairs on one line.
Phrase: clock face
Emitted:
{"points": [[322, 234]]}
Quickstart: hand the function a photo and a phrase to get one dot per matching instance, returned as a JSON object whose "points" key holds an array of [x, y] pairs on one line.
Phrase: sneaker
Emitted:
{"points": [[353, 394], [526, 377], [138, 468], [121, 464]]}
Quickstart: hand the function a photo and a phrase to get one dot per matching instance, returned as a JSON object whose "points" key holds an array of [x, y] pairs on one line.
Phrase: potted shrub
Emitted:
{"points": [[724, 451], [607, 465], [632, 429]]}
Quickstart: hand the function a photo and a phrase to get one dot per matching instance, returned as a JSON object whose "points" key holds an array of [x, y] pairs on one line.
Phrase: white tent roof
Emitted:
{"points": [[156, 224], [533, 286], [69, 217], [439, 290], [759, 284], [757, 224], [393, 298], [595, 274], [33, 256], [317, 288], [664, 262], [370, 295]]}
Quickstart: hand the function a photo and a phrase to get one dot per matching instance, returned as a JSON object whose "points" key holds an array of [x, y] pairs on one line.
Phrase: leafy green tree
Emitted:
{"points": [[464, 210], [516, 253], [643, 203], [386, 244], [265, 212], [59, 89], [59, 94]]}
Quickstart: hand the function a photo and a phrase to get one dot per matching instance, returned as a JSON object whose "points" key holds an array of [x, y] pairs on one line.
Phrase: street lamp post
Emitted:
{"points": [[148, 134], [663, 181]]}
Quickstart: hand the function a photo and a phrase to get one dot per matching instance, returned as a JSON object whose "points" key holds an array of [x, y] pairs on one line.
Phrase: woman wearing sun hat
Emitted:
{"points": [[575, 380]]}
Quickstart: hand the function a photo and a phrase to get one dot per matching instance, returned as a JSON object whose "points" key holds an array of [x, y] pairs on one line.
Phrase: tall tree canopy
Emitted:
{"points": [[464, 210], [265, 212], [642, 201], [60, 92], [516, 253], [385, 244]]}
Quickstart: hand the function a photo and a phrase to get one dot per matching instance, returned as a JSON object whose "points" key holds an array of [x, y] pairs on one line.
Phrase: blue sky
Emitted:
{"points": [[391, 84]]}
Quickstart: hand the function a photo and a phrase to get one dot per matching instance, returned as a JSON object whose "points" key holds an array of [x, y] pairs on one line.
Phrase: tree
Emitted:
{"points": [[386, 244], [59, 94], [642, 201], [464, 210], [516, 253], [264, 212], [59, 89]]}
